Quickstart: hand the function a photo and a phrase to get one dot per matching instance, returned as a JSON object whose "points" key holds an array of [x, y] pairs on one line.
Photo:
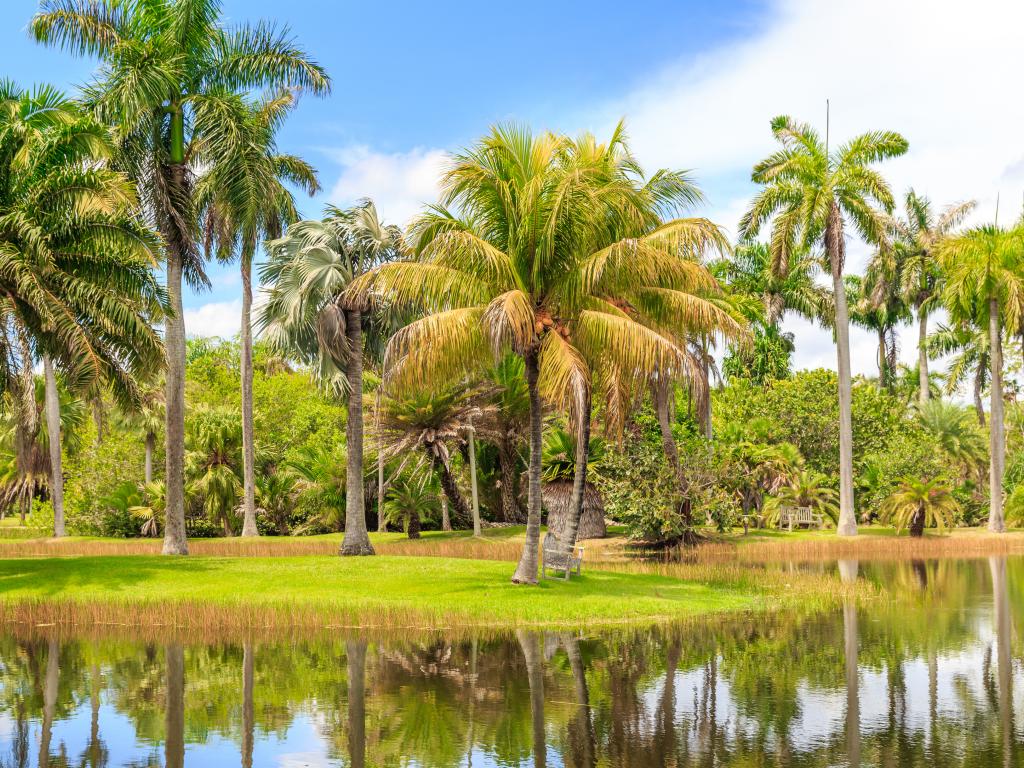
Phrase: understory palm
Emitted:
{"points": [[809, 193], [541, 247], [918, 504], [169, 70]]}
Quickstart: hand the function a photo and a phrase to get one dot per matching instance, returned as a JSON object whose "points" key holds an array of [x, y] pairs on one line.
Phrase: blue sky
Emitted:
{"points": [[697, 83]]}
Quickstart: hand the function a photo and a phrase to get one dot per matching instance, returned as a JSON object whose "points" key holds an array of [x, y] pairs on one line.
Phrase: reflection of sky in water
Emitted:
{"points": [[312, 732]]}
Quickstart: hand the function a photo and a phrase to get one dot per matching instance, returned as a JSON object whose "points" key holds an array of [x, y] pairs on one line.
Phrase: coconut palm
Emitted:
{"points": [[809, 193], [551, 237], [984, 270], [920, 503], [309, 315], [77, 287], [917, 235], [168, 72], [244, 200]]}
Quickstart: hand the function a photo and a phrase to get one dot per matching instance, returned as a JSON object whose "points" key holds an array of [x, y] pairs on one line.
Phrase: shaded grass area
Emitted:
{"points": [[207, 593]]}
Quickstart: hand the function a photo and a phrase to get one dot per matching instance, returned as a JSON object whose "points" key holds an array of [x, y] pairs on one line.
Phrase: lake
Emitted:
{"points": [[930, 679]]}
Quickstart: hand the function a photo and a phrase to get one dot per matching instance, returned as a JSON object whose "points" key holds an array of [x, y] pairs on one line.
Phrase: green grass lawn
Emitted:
{"points": [[377, 591]]}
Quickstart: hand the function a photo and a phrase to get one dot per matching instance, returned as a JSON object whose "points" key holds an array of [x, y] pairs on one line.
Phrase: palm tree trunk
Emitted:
{"points": [[175, 542], [355, 651], [706, 375], [979, 407], [356, 540], [382, 523], [248, 437], [579, 482], [472, 482], [507, 460], [922, 356], [997, 438], [150, 446], [415, 524], [835, 247], [247, 705], [526, 571], [446, 522], [916, 528], [53, 433], [883, 357], [27, 428], [174, 714], [448, 484]]}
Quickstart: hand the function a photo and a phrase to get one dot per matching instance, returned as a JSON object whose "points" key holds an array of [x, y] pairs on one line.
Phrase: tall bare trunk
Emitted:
{"points": [[579, 482], [355, 651], [248, 436], [356, 540], [979, 406], [49, 700], [529, 642], [922, 356], [175, 542], [446, 522], [526, 571], [53, 433], [174, 714], [382, 524], [27, 428], [836, 249], [997, 438], [883, 357], [706, 375], [248, 727], [150, 446]]}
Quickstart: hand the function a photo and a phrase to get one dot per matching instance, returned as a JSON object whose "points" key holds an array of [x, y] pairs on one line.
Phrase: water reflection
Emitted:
{"points": [[930, 680]]}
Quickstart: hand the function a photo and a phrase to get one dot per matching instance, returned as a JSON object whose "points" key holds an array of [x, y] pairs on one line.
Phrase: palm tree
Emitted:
{"points": [[805, 488], [951, 426], [169, 71], [213, 463], [410, 498], [309, 315], [550, 238], [244, 200], [511, 415], [429, 421], [970, 345], [875, 306], [809, 193], [918, 234], [984, 270], [77, 287], [919, 503]]}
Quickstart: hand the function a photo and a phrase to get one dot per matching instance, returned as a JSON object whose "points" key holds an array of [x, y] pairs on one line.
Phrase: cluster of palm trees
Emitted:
{"points": [[553, 275]]}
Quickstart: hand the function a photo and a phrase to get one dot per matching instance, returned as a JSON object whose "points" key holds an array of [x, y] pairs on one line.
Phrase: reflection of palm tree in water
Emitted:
{"points": [[529, 642], [1001, 601], [248, 736], [848, 573], [95, 754], [355, 651], [49, 700], [581, 729], [174, 719]]}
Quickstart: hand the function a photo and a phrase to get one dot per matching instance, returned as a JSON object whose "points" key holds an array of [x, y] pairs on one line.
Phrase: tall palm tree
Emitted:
{"points": [[77, 286], [244, 200], [550, 236], [309, 315], [168, 71], [984, 269], [809, 192], [917, 235]]}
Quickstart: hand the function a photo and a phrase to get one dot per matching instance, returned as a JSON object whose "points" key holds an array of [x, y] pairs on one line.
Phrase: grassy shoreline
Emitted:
{"points": [[443, 581]]}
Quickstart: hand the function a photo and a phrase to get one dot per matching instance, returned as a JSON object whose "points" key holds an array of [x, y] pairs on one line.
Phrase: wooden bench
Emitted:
{"points": [[554, 556], [800, 517]]}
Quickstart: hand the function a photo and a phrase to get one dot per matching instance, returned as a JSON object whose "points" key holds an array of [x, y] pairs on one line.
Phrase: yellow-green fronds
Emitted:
{"points": [[510, 322], [564, 375], [441, 347]]}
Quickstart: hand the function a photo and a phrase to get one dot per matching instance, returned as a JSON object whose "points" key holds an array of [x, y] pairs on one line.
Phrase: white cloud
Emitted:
{"points": [[399, 182], [939, 71], [219, 318]]}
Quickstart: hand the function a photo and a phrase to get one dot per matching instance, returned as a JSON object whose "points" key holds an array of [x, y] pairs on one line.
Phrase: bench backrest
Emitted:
{"points": [[798, 514]]}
